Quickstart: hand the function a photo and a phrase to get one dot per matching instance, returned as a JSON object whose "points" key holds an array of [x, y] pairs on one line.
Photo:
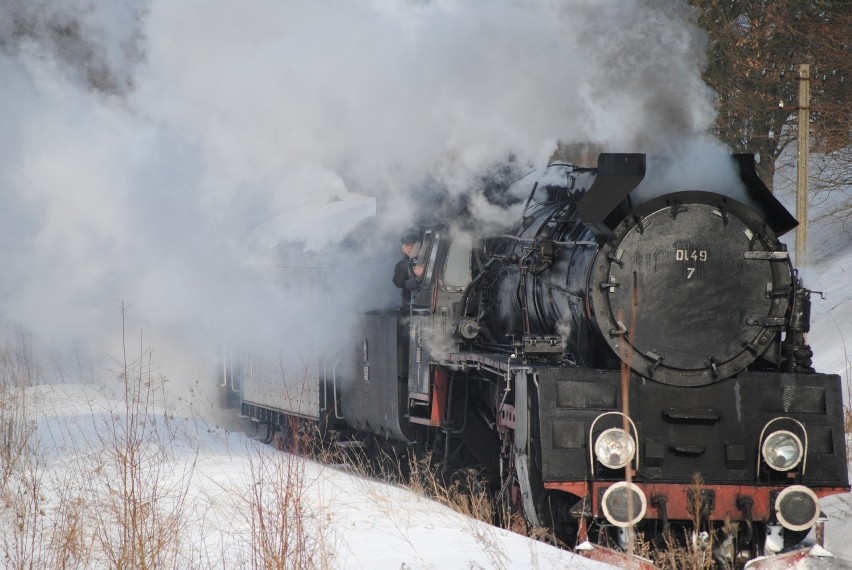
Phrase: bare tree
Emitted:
{"points": [[753, 61]]}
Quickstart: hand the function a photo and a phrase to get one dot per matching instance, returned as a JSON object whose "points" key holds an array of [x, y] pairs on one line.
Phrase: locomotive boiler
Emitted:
{"points": [[631, 355]]}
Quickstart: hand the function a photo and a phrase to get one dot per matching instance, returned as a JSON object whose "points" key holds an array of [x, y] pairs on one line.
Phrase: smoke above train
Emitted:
{"points": [[145, 142]]}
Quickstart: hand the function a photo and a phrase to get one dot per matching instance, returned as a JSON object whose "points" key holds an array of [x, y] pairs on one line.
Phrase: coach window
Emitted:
{"points": [[457, 268]]}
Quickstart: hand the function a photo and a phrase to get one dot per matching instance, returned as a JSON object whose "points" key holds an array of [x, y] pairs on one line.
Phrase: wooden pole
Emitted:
{"points": [[802, 171]]}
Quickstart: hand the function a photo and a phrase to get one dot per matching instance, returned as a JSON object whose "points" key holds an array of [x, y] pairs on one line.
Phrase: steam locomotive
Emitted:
{"points": [[632, 355]]}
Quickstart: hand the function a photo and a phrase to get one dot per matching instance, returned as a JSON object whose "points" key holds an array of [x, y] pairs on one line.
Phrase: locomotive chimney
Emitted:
{"points": [[618, 175]]}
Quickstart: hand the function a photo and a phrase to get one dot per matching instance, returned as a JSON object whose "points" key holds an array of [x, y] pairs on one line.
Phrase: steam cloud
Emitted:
{"points": [[144, 142]]}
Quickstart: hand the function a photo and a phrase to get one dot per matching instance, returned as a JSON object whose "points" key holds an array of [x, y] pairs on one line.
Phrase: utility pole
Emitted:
{"points": [[802, 171]]}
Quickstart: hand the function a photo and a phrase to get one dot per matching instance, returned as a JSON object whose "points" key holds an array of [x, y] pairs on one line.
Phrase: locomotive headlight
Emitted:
{"points": [[782, 450], [614, 448], [797, 508], [624, 504]]}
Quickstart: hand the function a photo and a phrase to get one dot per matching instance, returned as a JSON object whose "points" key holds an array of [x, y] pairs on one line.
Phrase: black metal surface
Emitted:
{"points": [[569, 400], [761, 199], [713, 430], [375, 400], [677, 296], [618, 175], [697, 273]]}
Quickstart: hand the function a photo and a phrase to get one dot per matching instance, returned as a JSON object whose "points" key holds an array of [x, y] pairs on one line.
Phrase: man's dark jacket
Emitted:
{"points": [[404, 277]]}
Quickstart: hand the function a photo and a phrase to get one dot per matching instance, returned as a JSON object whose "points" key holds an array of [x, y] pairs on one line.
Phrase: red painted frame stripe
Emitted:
{"points": [[677, 505]]}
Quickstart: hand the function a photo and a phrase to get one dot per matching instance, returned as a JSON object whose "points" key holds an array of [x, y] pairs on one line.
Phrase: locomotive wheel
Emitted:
{"points": [[269, 435], [284, 440], [382, 460], [260, 431], [552, 509], [249, 427], [510, 511], [554, 512]]}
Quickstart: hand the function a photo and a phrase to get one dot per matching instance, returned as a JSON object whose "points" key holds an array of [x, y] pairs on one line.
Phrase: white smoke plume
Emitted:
{"points": [[143, 143]]}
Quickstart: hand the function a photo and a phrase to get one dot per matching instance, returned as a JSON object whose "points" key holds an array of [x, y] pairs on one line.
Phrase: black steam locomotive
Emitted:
{"points": [[632, 355]]}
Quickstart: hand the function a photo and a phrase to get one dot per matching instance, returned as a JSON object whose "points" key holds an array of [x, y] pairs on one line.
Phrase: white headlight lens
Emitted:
{"points": [[782, 450], [615, 448]]}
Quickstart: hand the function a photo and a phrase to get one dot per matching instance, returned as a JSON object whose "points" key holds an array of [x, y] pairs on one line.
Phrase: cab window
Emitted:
{"points": [[457, 268]]}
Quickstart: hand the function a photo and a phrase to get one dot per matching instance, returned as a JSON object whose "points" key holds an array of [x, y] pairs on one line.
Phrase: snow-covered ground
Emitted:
{"points": [[206, 478]]}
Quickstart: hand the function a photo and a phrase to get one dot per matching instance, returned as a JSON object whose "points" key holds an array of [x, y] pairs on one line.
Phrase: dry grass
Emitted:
{"points": [[274, 524], [847, 425], [847, 422], [18, 371], [120, 504], [121, 491], [285, 532], [30, 538], [693, 548], [136, 497], [847, 406], [465, 492]]}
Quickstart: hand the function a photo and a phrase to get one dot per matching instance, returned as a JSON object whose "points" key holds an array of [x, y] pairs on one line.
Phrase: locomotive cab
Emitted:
{"points": [[419, 334], [434, 306]]}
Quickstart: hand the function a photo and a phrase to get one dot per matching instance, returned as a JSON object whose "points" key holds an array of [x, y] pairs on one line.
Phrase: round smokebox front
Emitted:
{"points": [[688, 295]]}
